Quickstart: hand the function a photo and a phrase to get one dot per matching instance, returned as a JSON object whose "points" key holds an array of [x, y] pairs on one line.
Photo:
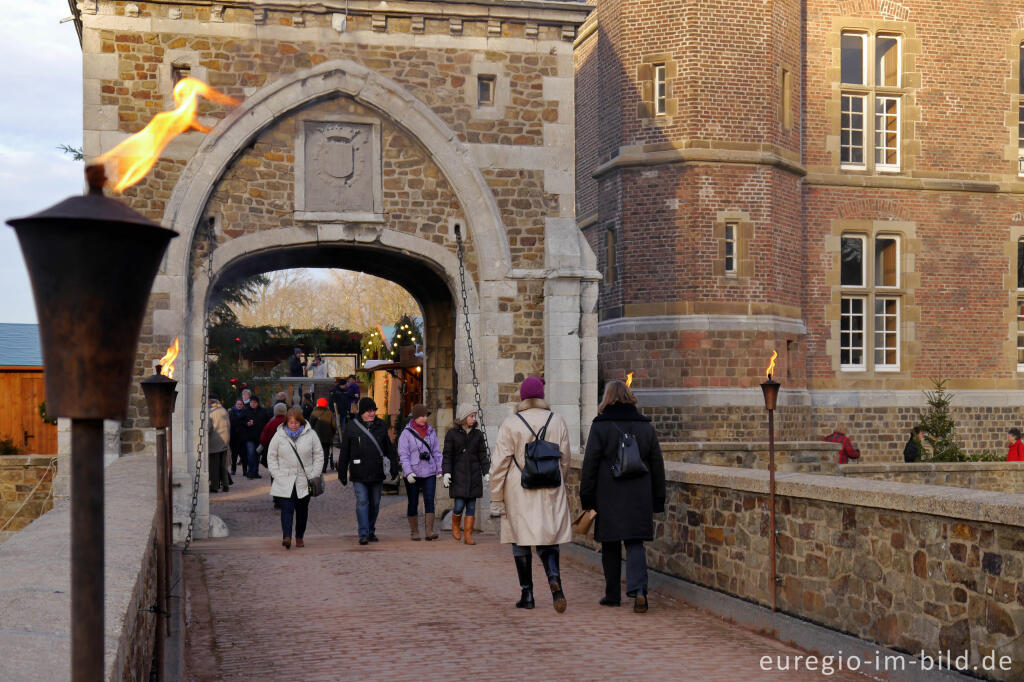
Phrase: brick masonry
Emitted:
{"points": [[26, 490], [904, 566]]}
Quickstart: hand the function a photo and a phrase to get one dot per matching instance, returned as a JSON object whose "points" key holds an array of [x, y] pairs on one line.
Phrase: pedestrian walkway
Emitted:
{"points": [[402, 610]]}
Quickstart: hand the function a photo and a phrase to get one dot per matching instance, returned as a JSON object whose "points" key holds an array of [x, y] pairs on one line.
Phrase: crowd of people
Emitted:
{"points": [[622, 481]]}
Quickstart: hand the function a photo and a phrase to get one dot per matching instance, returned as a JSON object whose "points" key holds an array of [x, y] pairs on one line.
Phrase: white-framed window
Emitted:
{"points": [[660, 90], [851, 142], [871, 297], [485, 85], [887, 333], [1020, 334], [871, 101], [851, 334], [1020, 111], [1020, 264], [730, 248]]}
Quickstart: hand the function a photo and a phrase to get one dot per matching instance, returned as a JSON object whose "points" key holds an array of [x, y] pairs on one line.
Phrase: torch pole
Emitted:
{"points": [[87, 550], [169, 502], [771, 498], [162, 581]]}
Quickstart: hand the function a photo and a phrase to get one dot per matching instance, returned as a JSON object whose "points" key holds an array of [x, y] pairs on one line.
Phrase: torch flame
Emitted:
{"points": [[771, 365], [629, 380], [167, 361], [134, 157]]}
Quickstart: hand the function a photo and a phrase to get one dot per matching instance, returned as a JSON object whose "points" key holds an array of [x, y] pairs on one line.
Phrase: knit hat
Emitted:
{"points": [[419, 411], [464, 411], [532, 387], [322, 402], [366, 404], [280, 410]]}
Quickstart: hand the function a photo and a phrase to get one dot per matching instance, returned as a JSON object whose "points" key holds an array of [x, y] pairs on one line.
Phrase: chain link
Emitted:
{"points": [[469, 339], [201, 429]]}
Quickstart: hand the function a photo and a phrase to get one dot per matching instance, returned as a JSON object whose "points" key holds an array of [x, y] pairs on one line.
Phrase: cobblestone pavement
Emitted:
{"points": [[402, 610]]}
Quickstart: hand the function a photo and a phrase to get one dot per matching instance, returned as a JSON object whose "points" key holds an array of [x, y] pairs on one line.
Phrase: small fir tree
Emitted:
{"points": [[939, 428]]}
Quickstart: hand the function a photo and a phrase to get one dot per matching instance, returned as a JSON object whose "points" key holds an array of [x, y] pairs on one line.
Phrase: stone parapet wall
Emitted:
{"points": [[1002, 477], [911, 567], [26, 490], [35, 584], [803, 456]]}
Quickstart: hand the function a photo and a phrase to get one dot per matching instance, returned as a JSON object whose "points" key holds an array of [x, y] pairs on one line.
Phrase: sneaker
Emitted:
{"points": [[363, 539]]}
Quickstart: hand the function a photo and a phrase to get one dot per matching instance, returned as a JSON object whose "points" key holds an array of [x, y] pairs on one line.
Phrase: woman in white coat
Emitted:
{"points": [[294, 450], [537, 517]]}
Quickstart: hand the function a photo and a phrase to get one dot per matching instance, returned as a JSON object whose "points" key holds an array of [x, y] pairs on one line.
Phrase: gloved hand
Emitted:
{"points": [[487, 478], [411, 478], [447, 480], [497, 508]]}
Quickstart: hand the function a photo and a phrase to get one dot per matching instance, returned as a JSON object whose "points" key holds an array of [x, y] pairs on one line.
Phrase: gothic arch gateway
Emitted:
{"points": [[366, 159]]}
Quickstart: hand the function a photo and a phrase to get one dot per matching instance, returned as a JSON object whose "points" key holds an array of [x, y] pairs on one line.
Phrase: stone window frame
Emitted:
{"points": [[480, 66], [1014, 150], [786, 97], [1014, 296], [174, 59], [744, 234], [377, 215], [647, 106], [910, 82], [909, 311]]}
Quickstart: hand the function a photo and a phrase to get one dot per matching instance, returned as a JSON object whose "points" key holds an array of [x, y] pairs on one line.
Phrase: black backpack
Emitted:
{"points": [[542, 463], [628, 462]]}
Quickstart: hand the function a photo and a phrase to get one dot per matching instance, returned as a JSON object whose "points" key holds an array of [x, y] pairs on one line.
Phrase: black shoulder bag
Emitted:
{"points": [[316, 485], [386, 466], [628, 462], [542, 462]]}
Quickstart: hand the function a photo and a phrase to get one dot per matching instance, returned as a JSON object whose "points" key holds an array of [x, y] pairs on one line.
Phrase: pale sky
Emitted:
{"points": [[40, 108]]}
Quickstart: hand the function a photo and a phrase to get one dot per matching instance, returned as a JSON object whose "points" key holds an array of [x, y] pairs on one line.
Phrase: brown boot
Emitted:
{"points": [[414, 528], [457, 525], [470, 521], [429, 528]]}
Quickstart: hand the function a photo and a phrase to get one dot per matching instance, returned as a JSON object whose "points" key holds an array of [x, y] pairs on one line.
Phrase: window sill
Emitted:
{"points": [[887, 370], [853, 369]]}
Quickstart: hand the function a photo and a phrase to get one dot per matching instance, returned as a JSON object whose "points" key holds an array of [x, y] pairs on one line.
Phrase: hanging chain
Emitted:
{"points": [[469, 340], [201, 439]]}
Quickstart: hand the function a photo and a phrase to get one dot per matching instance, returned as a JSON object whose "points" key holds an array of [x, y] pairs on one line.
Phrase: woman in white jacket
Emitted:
{"points": [[294, 450]]}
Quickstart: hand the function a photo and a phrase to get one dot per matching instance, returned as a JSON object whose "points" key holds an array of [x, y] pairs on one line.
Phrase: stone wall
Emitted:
{"points": [[910, 567], [26, 490], [1002, 477], [812, 457], [35, 584]]}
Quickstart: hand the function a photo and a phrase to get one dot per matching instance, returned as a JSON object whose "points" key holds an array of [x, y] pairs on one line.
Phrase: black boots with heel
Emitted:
{"points": [[524, 567]]}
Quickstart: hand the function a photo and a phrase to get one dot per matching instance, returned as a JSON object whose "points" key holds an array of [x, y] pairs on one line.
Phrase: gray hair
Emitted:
{"points": [[280, 409]]}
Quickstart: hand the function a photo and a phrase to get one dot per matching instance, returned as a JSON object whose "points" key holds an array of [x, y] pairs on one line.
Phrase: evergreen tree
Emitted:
{"points": [[939, 428]]}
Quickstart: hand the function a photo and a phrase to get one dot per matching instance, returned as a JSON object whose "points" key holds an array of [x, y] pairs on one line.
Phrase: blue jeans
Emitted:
{"points": [[300, 509], [367, 506], [425, 485], [467, 504], [252, 457]]}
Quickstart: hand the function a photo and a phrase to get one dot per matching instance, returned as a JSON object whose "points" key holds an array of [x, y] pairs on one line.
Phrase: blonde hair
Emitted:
{"points": [[616, 392]]}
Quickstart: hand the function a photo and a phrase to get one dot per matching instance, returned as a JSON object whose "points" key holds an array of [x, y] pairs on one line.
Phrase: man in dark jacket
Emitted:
{"points": [[912, 450], [365, 448], [296, 367], [625, 506], [237, 442], [254, 418]]}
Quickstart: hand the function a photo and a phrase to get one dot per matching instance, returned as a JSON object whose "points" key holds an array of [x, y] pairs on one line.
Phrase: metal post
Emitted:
{"points": [[87, 550], [169, 502], [771, 498], [162, 582]]}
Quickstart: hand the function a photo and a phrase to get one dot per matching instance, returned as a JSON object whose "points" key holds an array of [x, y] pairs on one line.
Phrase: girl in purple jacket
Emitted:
{"points": [[420, 454]]}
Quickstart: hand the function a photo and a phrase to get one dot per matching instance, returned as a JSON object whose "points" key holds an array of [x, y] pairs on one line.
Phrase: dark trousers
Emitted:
{"points": [[636, 568], [300, 509], [218, 467], [237, 455], [427, 486], [548, 554], [252, 459]]}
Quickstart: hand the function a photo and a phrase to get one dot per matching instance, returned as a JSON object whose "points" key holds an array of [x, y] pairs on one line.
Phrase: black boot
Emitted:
{"points": [[549, 557], [524, 567]]}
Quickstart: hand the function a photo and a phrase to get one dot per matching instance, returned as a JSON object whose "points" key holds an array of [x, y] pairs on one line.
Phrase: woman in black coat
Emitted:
{"points": [[625, 506], [465, 465]]}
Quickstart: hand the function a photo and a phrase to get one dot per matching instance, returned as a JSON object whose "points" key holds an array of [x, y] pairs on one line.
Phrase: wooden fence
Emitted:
{"points": [[21, 392]]}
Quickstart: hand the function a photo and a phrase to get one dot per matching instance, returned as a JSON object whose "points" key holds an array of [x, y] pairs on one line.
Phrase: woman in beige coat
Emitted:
{"points": [[294, 456], [537, 517]]}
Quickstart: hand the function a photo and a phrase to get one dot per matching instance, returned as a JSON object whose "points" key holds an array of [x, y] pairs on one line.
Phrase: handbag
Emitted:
{"points": [[584, 522], [316, 485], [542, 464], [628, 462], [385, 460]]}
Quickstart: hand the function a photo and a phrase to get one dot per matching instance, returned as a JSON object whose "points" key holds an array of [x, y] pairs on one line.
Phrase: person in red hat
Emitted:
{"points": [[322, 422]]}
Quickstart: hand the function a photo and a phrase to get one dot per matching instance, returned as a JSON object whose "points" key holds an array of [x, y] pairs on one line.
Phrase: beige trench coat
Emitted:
{"points": [[532, 517]]}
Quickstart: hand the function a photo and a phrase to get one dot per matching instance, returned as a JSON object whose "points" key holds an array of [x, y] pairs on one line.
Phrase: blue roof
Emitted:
{"points": [[20, 346]]}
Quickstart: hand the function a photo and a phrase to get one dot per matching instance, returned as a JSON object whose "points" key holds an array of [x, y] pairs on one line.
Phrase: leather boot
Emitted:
{"points": [[457, 525], [470, 522], [549, 557], [429, 528], [414, 528], [524, 567]]}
